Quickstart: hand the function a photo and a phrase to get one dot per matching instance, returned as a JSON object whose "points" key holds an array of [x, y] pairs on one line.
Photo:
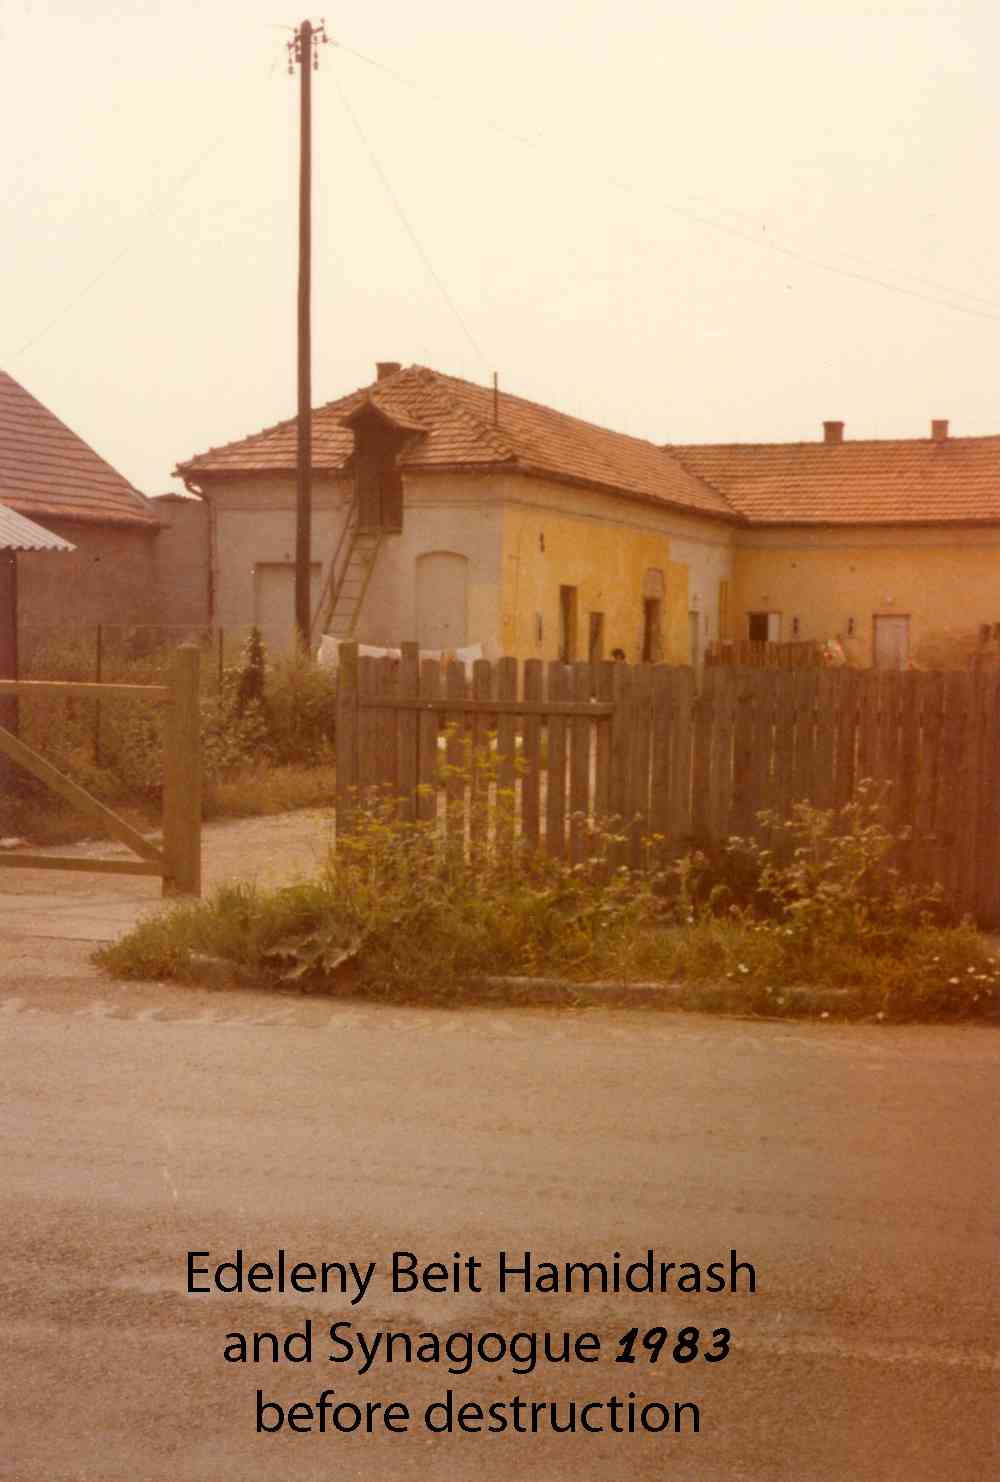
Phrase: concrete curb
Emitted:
{"points": [[524, 992], [694, 996]]}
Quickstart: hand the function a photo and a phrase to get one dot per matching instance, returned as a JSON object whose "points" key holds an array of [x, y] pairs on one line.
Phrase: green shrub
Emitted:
{"points": [[414, 905], [300, 710], [249, 690]]}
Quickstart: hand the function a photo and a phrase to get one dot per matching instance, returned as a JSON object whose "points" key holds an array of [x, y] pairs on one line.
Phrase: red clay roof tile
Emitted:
{"points": [[459, 432], [45, 469], [890, 482]]}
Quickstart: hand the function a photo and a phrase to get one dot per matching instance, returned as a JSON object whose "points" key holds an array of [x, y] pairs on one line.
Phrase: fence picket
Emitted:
{"points": [[428, 729], [638, 782], [927, 849], [661, 776], [744, 728], [704, 723], [407, 742], [367, 725], [720, 799], [555, 771], [868, 714], [602, 743], [506, 754], [579, 777], [386, 681], [457, 755], [531, 745], [482, 687], [347, 736], [804, 765], [665, 760], [682, 702], [951, 777]]}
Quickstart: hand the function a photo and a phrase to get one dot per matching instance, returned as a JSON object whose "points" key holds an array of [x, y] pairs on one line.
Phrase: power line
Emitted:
{"points": [[397, 206], [712, 223]]}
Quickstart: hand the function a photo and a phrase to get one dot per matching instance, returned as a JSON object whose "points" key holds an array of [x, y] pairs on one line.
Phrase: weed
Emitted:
{"points": [[427, 904]]}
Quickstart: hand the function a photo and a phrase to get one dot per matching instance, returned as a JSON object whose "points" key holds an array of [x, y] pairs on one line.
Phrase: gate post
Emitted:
{"points": [[182, 777]]}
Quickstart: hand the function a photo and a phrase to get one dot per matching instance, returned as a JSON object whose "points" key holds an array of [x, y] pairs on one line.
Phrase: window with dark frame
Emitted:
{"points": [[567, 625], [595, 638], [652, 644]]}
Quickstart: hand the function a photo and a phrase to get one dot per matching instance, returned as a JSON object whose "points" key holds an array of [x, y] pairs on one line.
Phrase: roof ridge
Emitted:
{"points": [[542, 406], [847, 442], [490, 434]]}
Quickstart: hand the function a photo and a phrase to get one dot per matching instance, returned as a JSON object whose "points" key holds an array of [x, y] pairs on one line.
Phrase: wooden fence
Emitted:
{"points": [[178, 862], [745, 653], [643, 745]]}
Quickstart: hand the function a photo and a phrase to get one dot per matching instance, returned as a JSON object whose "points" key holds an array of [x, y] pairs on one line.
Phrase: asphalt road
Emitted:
{"points": [[854, 1167]]}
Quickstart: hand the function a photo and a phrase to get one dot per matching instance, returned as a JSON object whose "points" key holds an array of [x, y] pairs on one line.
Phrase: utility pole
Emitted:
{"points": [[302, 52]]}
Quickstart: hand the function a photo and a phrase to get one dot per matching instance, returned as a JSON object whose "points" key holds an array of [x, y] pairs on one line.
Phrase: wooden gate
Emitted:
{"points": [[178, 861]]}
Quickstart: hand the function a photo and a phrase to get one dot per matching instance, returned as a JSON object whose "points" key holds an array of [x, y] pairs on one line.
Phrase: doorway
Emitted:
{"points": [[694, 639], [892, 642]]}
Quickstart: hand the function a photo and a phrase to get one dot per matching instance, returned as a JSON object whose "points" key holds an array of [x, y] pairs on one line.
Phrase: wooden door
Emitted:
{"points": [[892, 642]]}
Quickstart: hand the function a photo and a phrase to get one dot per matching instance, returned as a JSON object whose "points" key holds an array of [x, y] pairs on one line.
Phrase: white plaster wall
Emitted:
{"points": [[254, 522], [462, 513], [455, 512], [709, 559]]}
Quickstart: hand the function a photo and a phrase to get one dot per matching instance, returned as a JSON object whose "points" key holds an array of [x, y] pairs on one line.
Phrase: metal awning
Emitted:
{"points": [[18, 533]]}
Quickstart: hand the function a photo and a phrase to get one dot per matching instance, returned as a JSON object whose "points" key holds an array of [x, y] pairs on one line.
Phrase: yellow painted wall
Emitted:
{"points": [[947, 583], [544, 549]]}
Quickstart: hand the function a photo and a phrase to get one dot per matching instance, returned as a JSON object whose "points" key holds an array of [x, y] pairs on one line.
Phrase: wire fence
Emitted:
{"points": [[124, 652]]}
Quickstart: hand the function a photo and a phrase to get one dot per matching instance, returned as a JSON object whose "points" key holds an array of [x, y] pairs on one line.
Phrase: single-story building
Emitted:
{"points": [[127, 562], [459, 514], [50, 475], [891, 545], [456, 514]]}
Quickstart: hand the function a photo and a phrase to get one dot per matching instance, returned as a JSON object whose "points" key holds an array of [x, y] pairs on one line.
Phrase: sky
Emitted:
{"points": [[712, 222]]}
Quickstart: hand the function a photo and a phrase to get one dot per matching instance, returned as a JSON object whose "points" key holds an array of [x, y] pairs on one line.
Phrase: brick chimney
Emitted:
{"points": [[384, 368], [939, 431], [833, 432]]}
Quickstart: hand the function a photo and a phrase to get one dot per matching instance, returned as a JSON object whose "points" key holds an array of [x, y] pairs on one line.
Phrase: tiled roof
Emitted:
{"points": [[20, 534], [452, 426], [911, 481], [46, 470]]}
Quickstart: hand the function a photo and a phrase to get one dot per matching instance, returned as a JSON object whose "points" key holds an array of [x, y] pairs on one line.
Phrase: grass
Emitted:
{"points": [[270, 789], [266, 752], [403, 912], [257, 791]]}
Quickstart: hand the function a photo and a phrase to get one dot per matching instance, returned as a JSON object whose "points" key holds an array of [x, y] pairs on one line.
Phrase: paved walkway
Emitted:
{"points": [[69, 906]]}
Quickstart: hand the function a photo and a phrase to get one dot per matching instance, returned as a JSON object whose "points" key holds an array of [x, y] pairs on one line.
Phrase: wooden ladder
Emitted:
{"points": [[350, 572]]}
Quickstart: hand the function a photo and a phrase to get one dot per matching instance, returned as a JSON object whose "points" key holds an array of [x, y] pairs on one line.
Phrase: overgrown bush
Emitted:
{"points": [[300, 711], [415, 905], [255, 718]]}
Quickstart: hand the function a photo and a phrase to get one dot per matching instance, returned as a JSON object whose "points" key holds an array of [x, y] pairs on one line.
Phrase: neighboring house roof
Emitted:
{"points": [[918, 481], [451, 425], [20, 534], [46, 470]]}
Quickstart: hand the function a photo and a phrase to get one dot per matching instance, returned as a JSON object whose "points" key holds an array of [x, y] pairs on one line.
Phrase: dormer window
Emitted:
{"points": [[378, 481]]}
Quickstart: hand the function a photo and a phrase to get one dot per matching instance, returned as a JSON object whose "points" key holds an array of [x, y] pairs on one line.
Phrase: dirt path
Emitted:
{"points": [[50, 920], [275, 848]]}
